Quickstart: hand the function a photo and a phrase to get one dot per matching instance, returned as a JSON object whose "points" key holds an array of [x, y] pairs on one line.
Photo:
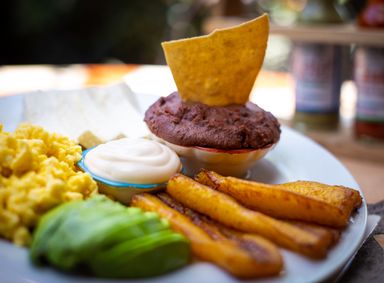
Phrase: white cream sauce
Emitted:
{"points": [[139, 161]]}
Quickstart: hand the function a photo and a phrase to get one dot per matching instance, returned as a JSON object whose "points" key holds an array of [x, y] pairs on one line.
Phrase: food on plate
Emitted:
{"points": [[301, 200], [226, 210], [108, 240], [219, 127], [226, 139], [241, 254], [220, 68], [89, 138], [326, 231], [139, 161], [37, 173], [127, 166], [209, 122], [89, 116]]}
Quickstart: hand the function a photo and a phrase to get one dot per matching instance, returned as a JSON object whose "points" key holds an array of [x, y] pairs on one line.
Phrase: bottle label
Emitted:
{"points": [[369, 77], [317, 73]]}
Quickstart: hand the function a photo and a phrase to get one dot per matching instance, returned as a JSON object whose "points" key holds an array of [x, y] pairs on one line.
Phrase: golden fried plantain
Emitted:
{"points": [[319, 230], [260, 259], [229, 212], [250, 242], [301, 200]]}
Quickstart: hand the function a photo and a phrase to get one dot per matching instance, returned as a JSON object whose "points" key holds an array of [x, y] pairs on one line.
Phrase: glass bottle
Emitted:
{"points": [[317, 71], [369, 78]]}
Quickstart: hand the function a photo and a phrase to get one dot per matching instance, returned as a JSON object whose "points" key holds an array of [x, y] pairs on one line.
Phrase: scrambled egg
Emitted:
{"points": [[37, 172]]}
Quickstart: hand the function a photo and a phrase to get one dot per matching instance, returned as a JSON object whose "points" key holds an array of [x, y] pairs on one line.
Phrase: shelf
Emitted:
{"points": [[335, 34]]}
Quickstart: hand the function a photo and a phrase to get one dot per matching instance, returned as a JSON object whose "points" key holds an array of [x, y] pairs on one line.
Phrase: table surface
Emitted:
{"points": [[272, 91]]}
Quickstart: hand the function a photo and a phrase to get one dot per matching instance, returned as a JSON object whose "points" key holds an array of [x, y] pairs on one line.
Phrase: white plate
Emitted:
{"points": [[294, 158]]}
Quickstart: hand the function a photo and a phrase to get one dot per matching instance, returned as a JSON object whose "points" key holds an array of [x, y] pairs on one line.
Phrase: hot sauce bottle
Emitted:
{"points": [[317, 70], [369, 77]]}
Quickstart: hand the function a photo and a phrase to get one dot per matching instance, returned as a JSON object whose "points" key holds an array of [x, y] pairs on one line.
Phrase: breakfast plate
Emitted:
{"points": [[295, 157]]}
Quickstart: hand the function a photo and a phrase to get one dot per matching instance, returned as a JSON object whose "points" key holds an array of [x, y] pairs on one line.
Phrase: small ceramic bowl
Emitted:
{"points": [[121, 191], [235, 162]]}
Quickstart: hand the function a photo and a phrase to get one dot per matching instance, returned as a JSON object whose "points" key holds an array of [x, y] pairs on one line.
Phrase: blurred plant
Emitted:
{"points": [[95, 31], [81, 31], [282, 12], [185, 17], [285, 12], [352, 8]]}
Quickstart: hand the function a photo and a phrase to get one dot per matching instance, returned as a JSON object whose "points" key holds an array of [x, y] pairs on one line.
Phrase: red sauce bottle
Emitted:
{"points": [[369, 78]]}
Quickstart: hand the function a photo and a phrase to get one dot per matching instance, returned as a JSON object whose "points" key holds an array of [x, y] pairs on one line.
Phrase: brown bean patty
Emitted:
{"points": [[220, 127]]}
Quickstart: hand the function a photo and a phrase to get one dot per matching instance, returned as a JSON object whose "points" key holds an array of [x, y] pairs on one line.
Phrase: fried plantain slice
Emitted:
{"points": [[229, 212], [302, 200], [258, 247], [261, 259]]}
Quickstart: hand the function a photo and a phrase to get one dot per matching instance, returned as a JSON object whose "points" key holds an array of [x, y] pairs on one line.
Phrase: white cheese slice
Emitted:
{"points": [[89, 116]]}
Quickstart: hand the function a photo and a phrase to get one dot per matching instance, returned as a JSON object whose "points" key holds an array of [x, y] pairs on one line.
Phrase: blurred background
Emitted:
{"points": [[316, 49], [323, 72], [97, 31]]}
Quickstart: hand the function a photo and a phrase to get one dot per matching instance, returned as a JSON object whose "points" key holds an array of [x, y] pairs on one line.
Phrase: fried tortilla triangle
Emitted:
{"points": [[219, 68]]}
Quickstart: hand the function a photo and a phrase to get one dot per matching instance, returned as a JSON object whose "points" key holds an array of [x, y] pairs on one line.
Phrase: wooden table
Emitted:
{"points": [[365, 161]]}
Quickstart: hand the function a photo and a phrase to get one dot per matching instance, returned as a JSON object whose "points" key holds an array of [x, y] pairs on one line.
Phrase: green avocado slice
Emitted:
{"points": [[53, 222], [69, 248], [150, 255], [47, 227], [100, 235]]}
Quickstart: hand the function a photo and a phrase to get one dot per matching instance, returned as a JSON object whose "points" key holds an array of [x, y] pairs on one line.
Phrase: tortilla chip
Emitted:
{"points": [[219, 68]]}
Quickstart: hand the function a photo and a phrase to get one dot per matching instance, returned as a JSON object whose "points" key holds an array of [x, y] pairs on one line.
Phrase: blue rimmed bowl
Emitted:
{"points": [[121, 191]]}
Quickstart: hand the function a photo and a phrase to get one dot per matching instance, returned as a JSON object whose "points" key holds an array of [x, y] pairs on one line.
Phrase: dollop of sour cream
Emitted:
{"points": [[138, 161]]}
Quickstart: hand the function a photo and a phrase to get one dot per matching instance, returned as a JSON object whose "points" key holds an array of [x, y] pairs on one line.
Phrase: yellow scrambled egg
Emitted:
{"points": [[37, 172]]}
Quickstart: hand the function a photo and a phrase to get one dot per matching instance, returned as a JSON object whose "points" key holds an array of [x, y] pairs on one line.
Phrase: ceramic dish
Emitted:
{"points": [[119, 190], [235, 162]]}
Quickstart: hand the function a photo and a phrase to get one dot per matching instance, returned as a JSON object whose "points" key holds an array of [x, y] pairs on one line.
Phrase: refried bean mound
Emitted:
{"points": [[220, 127]]}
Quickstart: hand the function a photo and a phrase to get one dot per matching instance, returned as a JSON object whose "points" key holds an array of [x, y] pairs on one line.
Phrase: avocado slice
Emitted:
{"points": [[109, 239], [69, 248], [150, 255], [47, 226]]}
